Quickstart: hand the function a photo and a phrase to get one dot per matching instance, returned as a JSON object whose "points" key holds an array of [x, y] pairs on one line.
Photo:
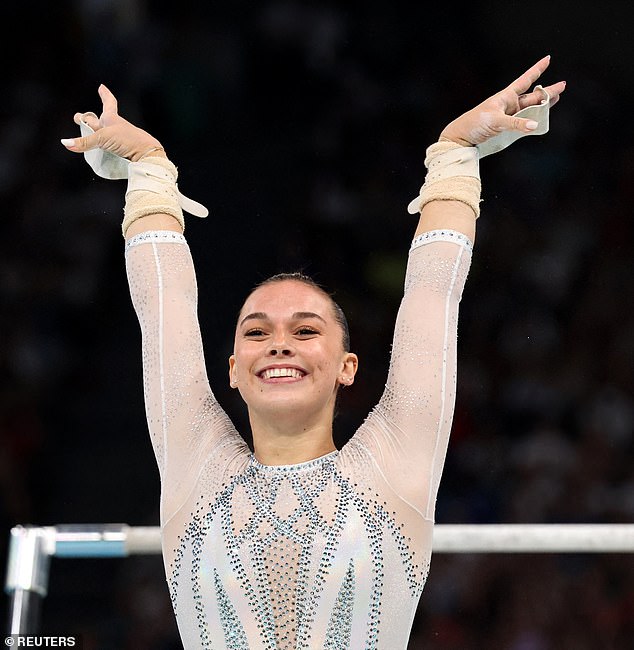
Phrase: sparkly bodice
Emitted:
{"points": [[303, 551], [332, 553]]}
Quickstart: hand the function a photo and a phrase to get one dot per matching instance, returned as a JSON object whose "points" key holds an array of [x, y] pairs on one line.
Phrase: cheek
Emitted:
{"points": [[329, 363], [243, 361]]}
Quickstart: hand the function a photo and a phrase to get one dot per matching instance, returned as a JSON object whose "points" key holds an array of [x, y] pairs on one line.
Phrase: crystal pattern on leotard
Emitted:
{"points": [[290, 537], [161, 237], [234, 634], [442, 235], [339, 627], [332, 553]]}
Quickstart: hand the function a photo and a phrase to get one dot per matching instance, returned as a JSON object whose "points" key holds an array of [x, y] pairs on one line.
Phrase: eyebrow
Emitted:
{"points": [[298, 315]]}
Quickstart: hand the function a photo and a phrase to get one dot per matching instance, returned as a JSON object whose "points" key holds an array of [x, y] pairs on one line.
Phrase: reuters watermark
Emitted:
{"points": [[35, 641]]}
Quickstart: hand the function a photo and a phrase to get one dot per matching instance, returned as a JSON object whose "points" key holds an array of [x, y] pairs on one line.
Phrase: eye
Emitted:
{"points": [[256, 331], [306, 331]]}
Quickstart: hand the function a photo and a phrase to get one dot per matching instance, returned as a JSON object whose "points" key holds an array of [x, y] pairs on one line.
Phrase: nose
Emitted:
{"points": [[280, 350], [280, 347]]}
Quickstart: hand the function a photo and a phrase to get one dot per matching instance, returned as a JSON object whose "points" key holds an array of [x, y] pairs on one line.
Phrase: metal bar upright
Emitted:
{"points": [[30, 549]]}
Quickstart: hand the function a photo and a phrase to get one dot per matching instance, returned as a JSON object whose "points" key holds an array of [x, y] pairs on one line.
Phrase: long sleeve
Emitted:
{"points": [[185, 422], [406, 435]]}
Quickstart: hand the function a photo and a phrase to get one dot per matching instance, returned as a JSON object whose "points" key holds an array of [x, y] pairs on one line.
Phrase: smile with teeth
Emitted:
{"points": [[281, 372]]}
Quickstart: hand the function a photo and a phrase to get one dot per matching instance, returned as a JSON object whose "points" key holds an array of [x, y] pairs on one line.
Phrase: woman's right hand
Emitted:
{"points": [[113, 133]]}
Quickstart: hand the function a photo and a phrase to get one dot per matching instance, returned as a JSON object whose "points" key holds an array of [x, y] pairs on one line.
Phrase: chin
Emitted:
{"points": [[278, 403]]}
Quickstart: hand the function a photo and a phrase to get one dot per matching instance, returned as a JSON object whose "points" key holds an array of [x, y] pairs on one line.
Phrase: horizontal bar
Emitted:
{"points": [[484, 538], [80, 540], [533, 538], [121, 540], [143, 540]]}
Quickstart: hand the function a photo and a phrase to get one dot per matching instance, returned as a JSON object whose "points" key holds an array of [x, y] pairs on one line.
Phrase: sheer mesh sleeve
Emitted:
{"points": [[407, 433], [185, 422]]}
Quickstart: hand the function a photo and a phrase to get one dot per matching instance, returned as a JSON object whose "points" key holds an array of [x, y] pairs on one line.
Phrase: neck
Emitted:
{"points": [[286, 443]]}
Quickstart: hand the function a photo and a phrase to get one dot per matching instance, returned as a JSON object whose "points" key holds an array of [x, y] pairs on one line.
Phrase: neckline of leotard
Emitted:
{"points": [[296, 467]]}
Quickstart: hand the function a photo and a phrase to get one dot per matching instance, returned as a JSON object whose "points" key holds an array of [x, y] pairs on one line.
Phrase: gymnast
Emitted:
{"points": [[298, 544]]}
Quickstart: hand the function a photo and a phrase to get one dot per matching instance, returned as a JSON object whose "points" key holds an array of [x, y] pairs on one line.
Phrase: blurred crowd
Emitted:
{"points": [[303, 126]]}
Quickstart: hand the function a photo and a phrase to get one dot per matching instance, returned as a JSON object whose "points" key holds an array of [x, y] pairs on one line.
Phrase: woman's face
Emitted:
{"points": [[288, 351]]}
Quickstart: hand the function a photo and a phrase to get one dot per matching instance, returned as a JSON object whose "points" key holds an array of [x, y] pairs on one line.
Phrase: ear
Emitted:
{"points": [[233, 372], [349, 367]]}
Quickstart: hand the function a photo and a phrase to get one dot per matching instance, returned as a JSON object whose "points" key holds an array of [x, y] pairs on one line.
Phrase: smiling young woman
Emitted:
{"points": [[288, 363], [298, 544]]}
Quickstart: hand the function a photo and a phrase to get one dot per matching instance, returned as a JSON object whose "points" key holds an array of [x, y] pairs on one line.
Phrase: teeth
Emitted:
{"points": [[282, 372]]}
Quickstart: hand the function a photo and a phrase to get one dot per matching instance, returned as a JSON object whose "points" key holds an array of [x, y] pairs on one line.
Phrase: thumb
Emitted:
{"points": [[514, 123], [81, 144]]}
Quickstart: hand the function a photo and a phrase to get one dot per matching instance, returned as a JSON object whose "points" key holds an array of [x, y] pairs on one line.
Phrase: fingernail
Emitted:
{"points": [[68, 142], [531, 125]]}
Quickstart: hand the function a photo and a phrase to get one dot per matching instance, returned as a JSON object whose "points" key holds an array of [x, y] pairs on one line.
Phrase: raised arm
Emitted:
{"points": [[408, 432], [488, 127], [185, 422]]}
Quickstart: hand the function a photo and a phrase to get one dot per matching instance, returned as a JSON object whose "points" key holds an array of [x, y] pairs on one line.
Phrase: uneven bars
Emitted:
{"points": [[121, 540], [31, 548]]}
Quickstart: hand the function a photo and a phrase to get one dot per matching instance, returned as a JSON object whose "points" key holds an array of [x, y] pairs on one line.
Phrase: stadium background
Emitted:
{"points": [[302, 126]]}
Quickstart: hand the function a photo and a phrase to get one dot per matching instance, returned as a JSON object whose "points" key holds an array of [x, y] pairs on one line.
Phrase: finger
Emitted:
{"points": [[108, 100], [537, 96], [555, 91], [88, 118], [525, 81], [79, 145], [531, 99]]}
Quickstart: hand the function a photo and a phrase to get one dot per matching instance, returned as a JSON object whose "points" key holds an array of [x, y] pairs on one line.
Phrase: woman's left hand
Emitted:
{"points": [[496, 114]]}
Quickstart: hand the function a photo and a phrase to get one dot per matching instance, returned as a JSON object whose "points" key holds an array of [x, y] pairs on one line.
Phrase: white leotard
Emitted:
{"points": [[331, 553]]}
